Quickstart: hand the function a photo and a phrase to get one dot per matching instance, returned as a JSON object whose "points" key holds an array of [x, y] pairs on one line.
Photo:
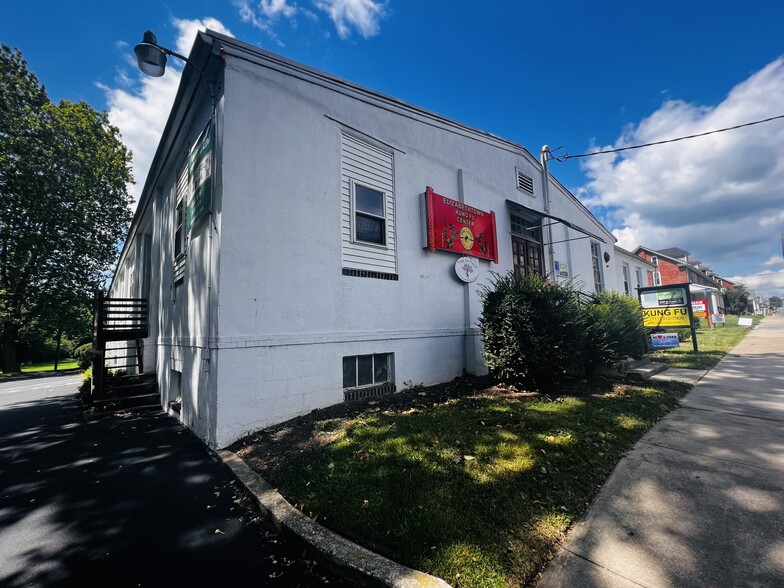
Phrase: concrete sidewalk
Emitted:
{"points": [[699, 501]]}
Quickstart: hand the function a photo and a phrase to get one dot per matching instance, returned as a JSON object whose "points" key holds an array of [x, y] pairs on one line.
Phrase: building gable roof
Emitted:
{"points": [[675, 252]]}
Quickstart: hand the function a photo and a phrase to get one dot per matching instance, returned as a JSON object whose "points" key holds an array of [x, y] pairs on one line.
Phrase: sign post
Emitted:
{"points": [[668, 306]]}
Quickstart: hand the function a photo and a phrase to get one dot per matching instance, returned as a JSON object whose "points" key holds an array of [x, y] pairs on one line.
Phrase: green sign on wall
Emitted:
{"points": [[200, 178]]}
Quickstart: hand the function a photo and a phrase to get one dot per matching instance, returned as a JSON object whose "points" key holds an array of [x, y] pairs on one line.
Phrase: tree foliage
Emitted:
{"points": [[774, 302], [737, 300], [64, 204]]}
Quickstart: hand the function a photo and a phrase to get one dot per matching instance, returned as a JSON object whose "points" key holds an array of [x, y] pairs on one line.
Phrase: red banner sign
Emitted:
{"points": [[459, 228], [699, 308]]}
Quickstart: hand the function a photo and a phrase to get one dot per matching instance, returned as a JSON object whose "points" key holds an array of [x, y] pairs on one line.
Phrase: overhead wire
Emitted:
{"points": [[565, 157], [627, 148]]}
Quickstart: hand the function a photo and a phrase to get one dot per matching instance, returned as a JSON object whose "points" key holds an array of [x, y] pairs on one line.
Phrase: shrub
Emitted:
{"points": [[614, 330], [84, 387], [684, 335], [532, 331], [84, 355]]}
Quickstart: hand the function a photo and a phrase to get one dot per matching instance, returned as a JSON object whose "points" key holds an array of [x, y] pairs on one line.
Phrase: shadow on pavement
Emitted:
{"points": [[132, 500], [700, 500]]}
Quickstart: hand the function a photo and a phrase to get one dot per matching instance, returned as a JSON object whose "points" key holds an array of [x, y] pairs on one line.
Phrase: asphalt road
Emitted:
{"points": [[132, 500]]}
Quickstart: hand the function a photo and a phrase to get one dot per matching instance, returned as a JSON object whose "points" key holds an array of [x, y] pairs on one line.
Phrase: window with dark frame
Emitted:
{"points": [[627, 287], [370, 215], [367, 370], [638, 272], [526, 244], [179, 218], [596, 262], [178, 247]]}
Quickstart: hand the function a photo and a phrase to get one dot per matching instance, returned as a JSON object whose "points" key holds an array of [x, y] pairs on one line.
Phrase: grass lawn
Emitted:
{"points": [[47, 366], [465, 481], [713, 344]]}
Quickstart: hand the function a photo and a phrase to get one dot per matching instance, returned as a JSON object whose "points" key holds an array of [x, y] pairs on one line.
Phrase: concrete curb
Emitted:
{"points": [[357, 563]]}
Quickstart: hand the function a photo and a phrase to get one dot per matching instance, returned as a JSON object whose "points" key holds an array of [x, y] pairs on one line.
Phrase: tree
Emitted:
{"points": [[774, 302], [737, 299], [64, 204], [66, 313]]}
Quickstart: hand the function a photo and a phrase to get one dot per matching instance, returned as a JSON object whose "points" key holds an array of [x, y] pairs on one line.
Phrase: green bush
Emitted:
{"points": [[85, 386], [537, 334], [684, 335], [614, 330], [84, 355], [532, 331]]}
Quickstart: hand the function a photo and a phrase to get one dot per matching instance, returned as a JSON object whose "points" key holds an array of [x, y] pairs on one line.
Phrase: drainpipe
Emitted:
{"points": [[469, 366], [544, 157]]}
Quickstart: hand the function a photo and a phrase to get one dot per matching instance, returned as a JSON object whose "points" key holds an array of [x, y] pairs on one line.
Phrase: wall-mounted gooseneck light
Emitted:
{"points": [[151, 57]]}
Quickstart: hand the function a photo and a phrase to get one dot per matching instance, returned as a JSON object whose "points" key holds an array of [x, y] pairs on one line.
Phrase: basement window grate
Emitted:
{"points": [[369, 274], [369, 392], [525, 183]]}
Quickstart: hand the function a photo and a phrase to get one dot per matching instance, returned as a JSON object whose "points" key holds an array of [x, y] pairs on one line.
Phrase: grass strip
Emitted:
{"points": [[477, 489], [713, 345], [45, 366]]}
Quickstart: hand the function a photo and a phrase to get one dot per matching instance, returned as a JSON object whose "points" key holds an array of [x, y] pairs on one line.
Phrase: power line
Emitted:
{"points": [[748, 124]]}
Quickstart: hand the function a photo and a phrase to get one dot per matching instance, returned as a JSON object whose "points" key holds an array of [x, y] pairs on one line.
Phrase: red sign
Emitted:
{"points": [[459, 228], [699, 308]]}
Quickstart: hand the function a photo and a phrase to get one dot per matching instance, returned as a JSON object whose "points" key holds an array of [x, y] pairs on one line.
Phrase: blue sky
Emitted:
{"points": [[577, 74]]}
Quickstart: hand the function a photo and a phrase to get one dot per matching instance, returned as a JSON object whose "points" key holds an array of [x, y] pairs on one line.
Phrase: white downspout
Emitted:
{"points": [[544, 157]]}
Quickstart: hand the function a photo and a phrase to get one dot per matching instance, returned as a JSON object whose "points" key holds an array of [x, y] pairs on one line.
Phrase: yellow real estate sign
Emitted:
{"points": [[666, 317]]}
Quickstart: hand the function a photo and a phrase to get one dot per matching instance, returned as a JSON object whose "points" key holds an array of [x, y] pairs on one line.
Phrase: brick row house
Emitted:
{"points": [[675, 266]]}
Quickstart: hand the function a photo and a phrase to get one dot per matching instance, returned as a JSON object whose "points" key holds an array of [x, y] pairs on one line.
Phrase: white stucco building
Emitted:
{"points": [[631, 272], [302, 276]]}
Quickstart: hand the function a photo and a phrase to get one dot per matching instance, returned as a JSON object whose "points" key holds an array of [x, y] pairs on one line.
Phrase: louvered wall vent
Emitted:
{"points": [[369, 392], [525, 183]]}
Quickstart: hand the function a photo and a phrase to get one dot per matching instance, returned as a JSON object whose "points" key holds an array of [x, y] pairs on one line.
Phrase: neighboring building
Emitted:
{"points": [[631, 272], [291, 258], [674, 267], [725, 283]]}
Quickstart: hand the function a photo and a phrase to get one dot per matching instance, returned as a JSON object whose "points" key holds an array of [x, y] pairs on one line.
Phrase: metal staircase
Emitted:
{"points": [[119, 380]]}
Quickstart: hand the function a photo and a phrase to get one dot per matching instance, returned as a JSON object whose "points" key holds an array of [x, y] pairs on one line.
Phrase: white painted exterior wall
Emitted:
{"points": [[265, 315], [635, 263]]}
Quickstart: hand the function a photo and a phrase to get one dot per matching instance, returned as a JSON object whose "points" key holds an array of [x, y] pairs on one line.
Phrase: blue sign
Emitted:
{"points": [[665, 340]]}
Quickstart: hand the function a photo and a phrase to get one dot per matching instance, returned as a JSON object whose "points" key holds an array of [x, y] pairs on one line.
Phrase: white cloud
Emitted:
{"points": [[765, 284], [774, 260], [140, 105], [718, 196], [267, 13], [773, 220], [275, 8], [362, 15]]}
